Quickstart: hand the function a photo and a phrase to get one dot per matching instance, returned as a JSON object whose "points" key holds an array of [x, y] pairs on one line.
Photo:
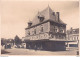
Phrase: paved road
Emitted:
{"points": [[20, 51]]}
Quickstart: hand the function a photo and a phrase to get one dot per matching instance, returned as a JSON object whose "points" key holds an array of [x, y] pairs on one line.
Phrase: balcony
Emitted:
{"points": [[44, 36]]}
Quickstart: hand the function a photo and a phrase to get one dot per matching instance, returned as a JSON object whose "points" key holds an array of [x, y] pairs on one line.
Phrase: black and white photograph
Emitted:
{"points": [[40, 27]]}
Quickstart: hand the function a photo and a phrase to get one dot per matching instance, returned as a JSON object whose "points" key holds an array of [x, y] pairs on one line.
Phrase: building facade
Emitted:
{"points": [[73, 35], [46, 32]]}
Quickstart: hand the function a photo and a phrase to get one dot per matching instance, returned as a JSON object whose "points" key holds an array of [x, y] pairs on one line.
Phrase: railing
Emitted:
{"points": [[43, 36], [38, 37]]}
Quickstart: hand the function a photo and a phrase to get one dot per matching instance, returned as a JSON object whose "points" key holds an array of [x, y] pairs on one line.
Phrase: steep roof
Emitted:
{"points": [[48, 15], [73, 31]]}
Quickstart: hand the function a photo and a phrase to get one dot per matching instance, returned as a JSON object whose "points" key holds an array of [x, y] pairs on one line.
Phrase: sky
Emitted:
{"points": [[16, 13]]}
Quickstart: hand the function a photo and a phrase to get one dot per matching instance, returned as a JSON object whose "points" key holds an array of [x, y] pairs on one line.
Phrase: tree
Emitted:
{"points": [[17, 40], [10, 41], [3, 41]]}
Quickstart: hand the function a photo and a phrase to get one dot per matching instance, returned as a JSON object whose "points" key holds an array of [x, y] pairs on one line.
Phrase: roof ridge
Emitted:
{"points": [[48, 11]]}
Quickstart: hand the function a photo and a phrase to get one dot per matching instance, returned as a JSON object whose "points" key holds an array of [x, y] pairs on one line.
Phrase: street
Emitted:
{"points": [[20, 51]]}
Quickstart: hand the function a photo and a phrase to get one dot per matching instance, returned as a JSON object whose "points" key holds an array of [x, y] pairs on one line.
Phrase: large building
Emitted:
{"points": [[73, 36], [46, 32]]}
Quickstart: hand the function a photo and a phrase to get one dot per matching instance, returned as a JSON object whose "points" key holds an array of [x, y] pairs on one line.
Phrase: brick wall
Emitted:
{"points": [[46, 28]]}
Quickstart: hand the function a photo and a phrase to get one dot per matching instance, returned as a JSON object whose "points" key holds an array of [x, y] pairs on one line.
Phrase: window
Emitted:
{"points": [[34, 31], [73, 45], [55, 29], [41, 29], [41, 18], [61, 30], [28, 32]]}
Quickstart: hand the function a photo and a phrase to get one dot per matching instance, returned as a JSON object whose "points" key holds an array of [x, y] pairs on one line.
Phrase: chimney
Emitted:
{"points": [[57, 16]]}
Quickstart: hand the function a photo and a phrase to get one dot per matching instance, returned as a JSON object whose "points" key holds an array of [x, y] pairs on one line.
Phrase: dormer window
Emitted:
{"points": [[41, 18], [29, 23]]}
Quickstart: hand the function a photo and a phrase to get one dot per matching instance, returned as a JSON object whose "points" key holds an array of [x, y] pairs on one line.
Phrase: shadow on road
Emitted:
{"points": [[4, 52]]}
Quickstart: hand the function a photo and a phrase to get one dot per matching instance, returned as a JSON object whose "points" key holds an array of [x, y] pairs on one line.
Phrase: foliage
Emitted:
{"points": [[17, 40]]}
